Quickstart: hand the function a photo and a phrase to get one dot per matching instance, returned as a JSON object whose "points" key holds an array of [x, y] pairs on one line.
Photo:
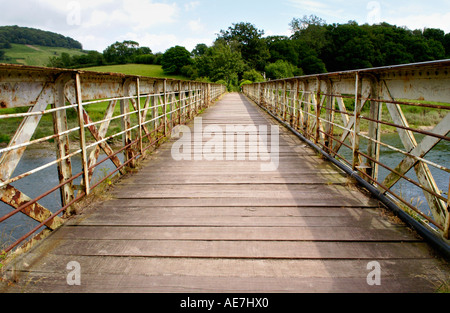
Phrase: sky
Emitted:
{"points": [[161, 24]]}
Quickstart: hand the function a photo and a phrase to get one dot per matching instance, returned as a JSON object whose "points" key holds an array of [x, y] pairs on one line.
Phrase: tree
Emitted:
{"points": [[282, 69], [121, 52], [434, 33], [221, 62], [300, 24], [174, 59], [249, 42], [226, 64], [253, 76], [447, 45], [32, 36], [199, 50], [349, 47], [282, 48], [311, 31], [313, 65], [144, 59]]}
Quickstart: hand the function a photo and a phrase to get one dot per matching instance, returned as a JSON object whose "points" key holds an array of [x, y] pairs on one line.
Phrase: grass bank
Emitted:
{"points": [[34, 55], [135, 69]]}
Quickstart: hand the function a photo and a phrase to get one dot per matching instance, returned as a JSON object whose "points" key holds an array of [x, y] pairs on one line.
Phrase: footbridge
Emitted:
{"points": [[335, 182]]}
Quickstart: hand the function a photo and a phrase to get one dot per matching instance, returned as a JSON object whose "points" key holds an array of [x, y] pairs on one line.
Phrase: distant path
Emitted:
{"points": [[33, 47]]}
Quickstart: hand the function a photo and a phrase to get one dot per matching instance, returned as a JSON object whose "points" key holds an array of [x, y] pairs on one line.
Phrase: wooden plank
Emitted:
{"points": [[246, 249], [121, 207], [275, 233], [150, 220], [234, 178], [128, 283], [255, 202], [210, 267], [226, 226]]}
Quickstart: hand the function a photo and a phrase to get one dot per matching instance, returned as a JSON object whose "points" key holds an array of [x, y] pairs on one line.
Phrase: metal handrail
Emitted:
{"points": [[173, 102], [313, 105]]}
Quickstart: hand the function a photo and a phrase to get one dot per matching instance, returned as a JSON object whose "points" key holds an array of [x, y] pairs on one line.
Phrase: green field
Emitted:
{"points": [[96, 111], [135, 69], [34, 55]]}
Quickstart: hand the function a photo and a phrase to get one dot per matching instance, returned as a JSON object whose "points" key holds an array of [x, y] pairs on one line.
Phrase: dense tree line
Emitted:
{"points": [[314, 47], [32, 36], [118, 53], [242, 54]]}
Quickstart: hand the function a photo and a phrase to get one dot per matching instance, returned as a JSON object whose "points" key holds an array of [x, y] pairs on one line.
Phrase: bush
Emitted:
{"points": [[253, 76], [282, 69], [174, 59], [245, 82], [222, 82], [144, 59], [189, 71]]}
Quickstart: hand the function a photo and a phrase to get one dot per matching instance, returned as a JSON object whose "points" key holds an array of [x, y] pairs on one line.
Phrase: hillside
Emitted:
{"points": [[34, 55], [134, 69], [32, 36]]}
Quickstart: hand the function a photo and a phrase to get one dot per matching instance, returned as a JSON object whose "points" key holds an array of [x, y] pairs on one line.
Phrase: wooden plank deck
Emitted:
{"points": [[226, 226]]}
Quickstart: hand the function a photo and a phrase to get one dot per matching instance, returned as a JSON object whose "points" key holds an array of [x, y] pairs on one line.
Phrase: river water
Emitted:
{"points": [[37, 184]]}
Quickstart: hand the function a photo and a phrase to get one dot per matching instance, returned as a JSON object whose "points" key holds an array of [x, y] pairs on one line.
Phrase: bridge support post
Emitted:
{"points": [[165, 106], [62, 142], [357, 119], [84, 159], [138, 104], [373, 148], [126, 124]]}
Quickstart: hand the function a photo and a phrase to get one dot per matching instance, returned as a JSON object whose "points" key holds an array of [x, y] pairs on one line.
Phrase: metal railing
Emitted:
{"points": [[387, 126], [88, 113]]}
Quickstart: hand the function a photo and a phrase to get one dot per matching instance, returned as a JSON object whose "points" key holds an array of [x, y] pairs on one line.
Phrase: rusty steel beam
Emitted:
{"points": [[389, 87], [17, 199], [41, 88]]}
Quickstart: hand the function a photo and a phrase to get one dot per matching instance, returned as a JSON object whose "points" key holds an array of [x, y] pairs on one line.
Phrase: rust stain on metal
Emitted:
{"points": [[17, 200]]}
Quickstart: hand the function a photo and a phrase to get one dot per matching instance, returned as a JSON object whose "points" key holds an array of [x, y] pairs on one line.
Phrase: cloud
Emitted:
{"points": [[309, 5], [196, 25], [137, 14], [420, 21], [319, 8], [65, 5], [157, 42], [191, 5]]}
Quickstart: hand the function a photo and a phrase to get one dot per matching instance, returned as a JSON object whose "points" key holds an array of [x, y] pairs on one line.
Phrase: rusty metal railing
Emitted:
{"points": [[87, 113], [388, 126]]}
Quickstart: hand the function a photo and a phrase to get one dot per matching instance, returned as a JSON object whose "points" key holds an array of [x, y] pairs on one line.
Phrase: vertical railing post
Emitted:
{"points": [[165, 106], [62, 141], [373, 148], [297, 104], [447, 217], [126, 122], [285, 100], [356, 125], [208, 95], [138, 104], [329, 116], [84, 159], [318, 109], [180, 102], [189, 100]]}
